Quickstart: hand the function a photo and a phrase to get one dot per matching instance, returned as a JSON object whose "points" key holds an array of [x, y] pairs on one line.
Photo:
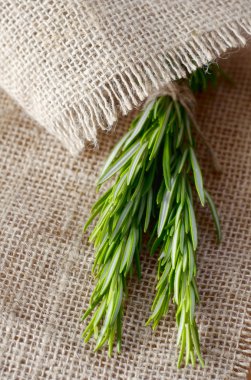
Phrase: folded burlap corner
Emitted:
{"points": [[75, 66]]}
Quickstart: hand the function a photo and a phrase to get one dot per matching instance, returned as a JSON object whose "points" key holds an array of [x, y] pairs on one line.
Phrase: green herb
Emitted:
{"points": [[157, 173]]}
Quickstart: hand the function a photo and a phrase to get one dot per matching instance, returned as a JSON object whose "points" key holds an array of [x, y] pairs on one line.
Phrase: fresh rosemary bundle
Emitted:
{"points": [[155, 168]]}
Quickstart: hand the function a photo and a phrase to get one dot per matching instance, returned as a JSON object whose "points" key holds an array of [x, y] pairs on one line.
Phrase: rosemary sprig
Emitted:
{"points": [[176, 235], [118, 233], [155, 167]]}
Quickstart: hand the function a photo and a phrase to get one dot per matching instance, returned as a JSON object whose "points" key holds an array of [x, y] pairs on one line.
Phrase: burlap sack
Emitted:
{"points": [[74, 65], [46, 270]]}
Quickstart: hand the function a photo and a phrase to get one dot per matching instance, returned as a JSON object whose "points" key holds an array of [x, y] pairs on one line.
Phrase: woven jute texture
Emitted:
{"points": [[45, 278], [75, 66]]}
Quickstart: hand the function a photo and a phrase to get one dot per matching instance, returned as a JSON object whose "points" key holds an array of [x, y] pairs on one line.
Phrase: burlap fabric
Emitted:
{"points": [[74, 66], [46, 277]]}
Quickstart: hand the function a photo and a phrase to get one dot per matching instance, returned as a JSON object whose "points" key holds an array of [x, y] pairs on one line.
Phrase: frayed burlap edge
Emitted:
{"points": [[130, 88]]}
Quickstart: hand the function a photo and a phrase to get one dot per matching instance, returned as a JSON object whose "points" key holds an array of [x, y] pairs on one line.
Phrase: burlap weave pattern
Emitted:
{"points": [[45, 277], [74, 66]]}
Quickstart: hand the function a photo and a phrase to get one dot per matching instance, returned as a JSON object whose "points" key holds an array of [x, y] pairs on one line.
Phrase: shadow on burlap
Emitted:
{"points": [[45, 278]]}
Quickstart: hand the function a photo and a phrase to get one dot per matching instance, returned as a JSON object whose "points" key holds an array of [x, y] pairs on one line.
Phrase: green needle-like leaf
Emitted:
{"points": [[193, 225], [135, 163], [114, 153], [175, 245], [166, 162], [148, 209], [119, 164], [197, 176], [161, 132], [166, 205], [144, 117], [214, 214]]}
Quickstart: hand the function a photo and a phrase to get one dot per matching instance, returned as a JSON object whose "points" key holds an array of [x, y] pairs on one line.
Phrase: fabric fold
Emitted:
{"points": [[76, 66]]}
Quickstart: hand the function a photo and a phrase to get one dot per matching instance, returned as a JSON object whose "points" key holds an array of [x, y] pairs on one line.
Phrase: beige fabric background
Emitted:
{"points": [[74, 65], [45, 269]]}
